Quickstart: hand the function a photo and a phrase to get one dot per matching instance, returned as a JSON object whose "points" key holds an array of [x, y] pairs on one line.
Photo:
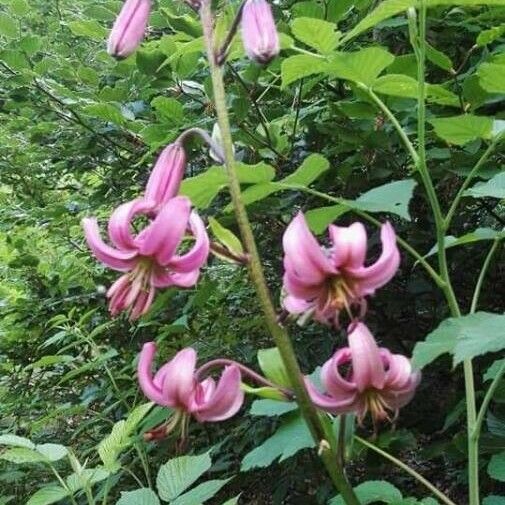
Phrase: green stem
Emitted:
{"points": [[467, 181], [400, 464], [63, 484], [279, 334], [482, 275]]}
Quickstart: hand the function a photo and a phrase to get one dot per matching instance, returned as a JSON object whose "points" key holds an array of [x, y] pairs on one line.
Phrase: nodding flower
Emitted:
{"points": [[149, 259], [320, 282], [374, 381], [129, 28], [259, 34], [176, 385]]}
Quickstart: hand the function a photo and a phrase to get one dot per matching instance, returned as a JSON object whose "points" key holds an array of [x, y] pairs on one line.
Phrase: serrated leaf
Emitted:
{"points": [[373, 491], [496, 467], [440, 341], [168, 109], [316, 33], [107, 112], [291, 437], [48, 495], [494, 187], [460, 130], [271, 408], [363, 66], [299, 66], [143, 496], [492, 77], [15, 441], [201, 493], [178, 474]]}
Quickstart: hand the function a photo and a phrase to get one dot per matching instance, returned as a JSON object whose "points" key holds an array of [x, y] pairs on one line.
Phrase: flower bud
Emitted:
{"points": [[259, 34], [129, 28]]}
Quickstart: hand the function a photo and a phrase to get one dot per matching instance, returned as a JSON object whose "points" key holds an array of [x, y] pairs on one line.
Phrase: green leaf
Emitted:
{"points": [[488, 36], [107, 112], [299, 66], [492, 77], [291, 437], [396, 85], [201, 493], [494, 500], [47, 495], [15, 441], [88, 28], [362, 66], [225, 236], [266, 392], [232, 501], [440, 341], [85, 478], [372, 491], [178, 474], [19, 7], [53, 452], [307, 9], [479, 334], [438, 58], [493, 370], [50, 360], [168, 109], [462, 129], [316, 33], [496, 467], [494, 188], [8, 26], [22, 455], [271, 365], [311, 169], [271, 408], [144, 496], [319, 219]]}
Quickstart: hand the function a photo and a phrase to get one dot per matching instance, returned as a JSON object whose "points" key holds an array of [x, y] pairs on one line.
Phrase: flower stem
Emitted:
{"points": [[482, 275], [278, 333], [400, 464]]}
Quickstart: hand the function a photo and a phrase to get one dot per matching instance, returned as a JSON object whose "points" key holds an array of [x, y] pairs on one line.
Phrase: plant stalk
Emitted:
{"points": [[278, 333]]}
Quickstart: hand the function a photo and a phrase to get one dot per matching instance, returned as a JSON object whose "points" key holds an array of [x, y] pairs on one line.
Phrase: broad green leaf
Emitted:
{"points": [[308, 10], [178, 474], [494, 188], [19, 7], [311, 169], [487, 36], [143, 496], [271, 408], [492, 77], [53, 452], [373, 491], [271, 365], [88, 28], [396, 85], [292, 436], [494, 500], [493, 370], [87, 477], [363, 66], [232, 501], [168, 109], [15, 441], [496, 467], [225, 236], [440, 341], [47, 495], [460, 130], [319, 219], [8, 26], [107, 112], [22, 455], [201, 493], [299, 66], [316, 33], [438, 58]]}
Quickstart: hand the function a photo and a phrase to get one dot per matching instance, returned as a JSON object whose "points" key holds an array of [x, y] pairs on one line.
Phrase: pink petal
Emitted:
{"points": [[304, 257], [167, 279], [338, 387], [296, 305], [120, 222], [367, 365], [142, 303], [123, 261], [335, 406], [225, 401], [375, 276], [296, 286], [129, 28], [118, 294], [196, 257], [162, 237], [165, 179], [399, 372], [145, 377], [349, 245], [179, 382]]}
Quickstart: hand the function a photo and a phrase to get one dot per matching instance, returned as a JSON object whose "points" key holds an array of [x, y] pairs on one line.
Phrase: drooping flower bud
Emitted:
{"points": [[259, 34], [129, 28]]}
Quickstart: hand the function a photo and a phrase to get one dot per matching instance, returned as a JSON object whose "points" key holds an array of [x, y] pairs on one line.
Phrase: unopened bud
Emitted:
{"points": [[129, 28], [259, 34]]}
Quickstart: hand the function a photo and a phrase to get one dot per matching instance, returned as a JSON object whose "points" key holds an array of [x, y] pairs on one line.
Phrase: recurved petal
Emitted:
{"points": [[167, 279], [304, 257], [145, 377], [334, 383], [325, 402], [180, 382], [367, 365], [296, 305], [349, 245], [123, 261], [197, 256], [225, 401], [382, 271], [162, 237], [399, 372]]}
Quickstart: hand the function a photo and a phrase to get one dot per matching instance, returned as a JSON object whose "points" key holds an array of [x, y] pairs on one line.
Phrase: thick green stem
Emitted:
{"points": [[400, 464], [279, 334]]}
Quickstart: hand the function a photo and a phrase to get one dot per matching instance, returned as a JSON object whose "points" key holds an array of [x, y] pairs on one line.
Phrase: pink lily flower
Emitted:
{"points": [[166, 177], [129, 28], [177, 386], [259, 33], [320, 282], [149, 259], [376, 380]]}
